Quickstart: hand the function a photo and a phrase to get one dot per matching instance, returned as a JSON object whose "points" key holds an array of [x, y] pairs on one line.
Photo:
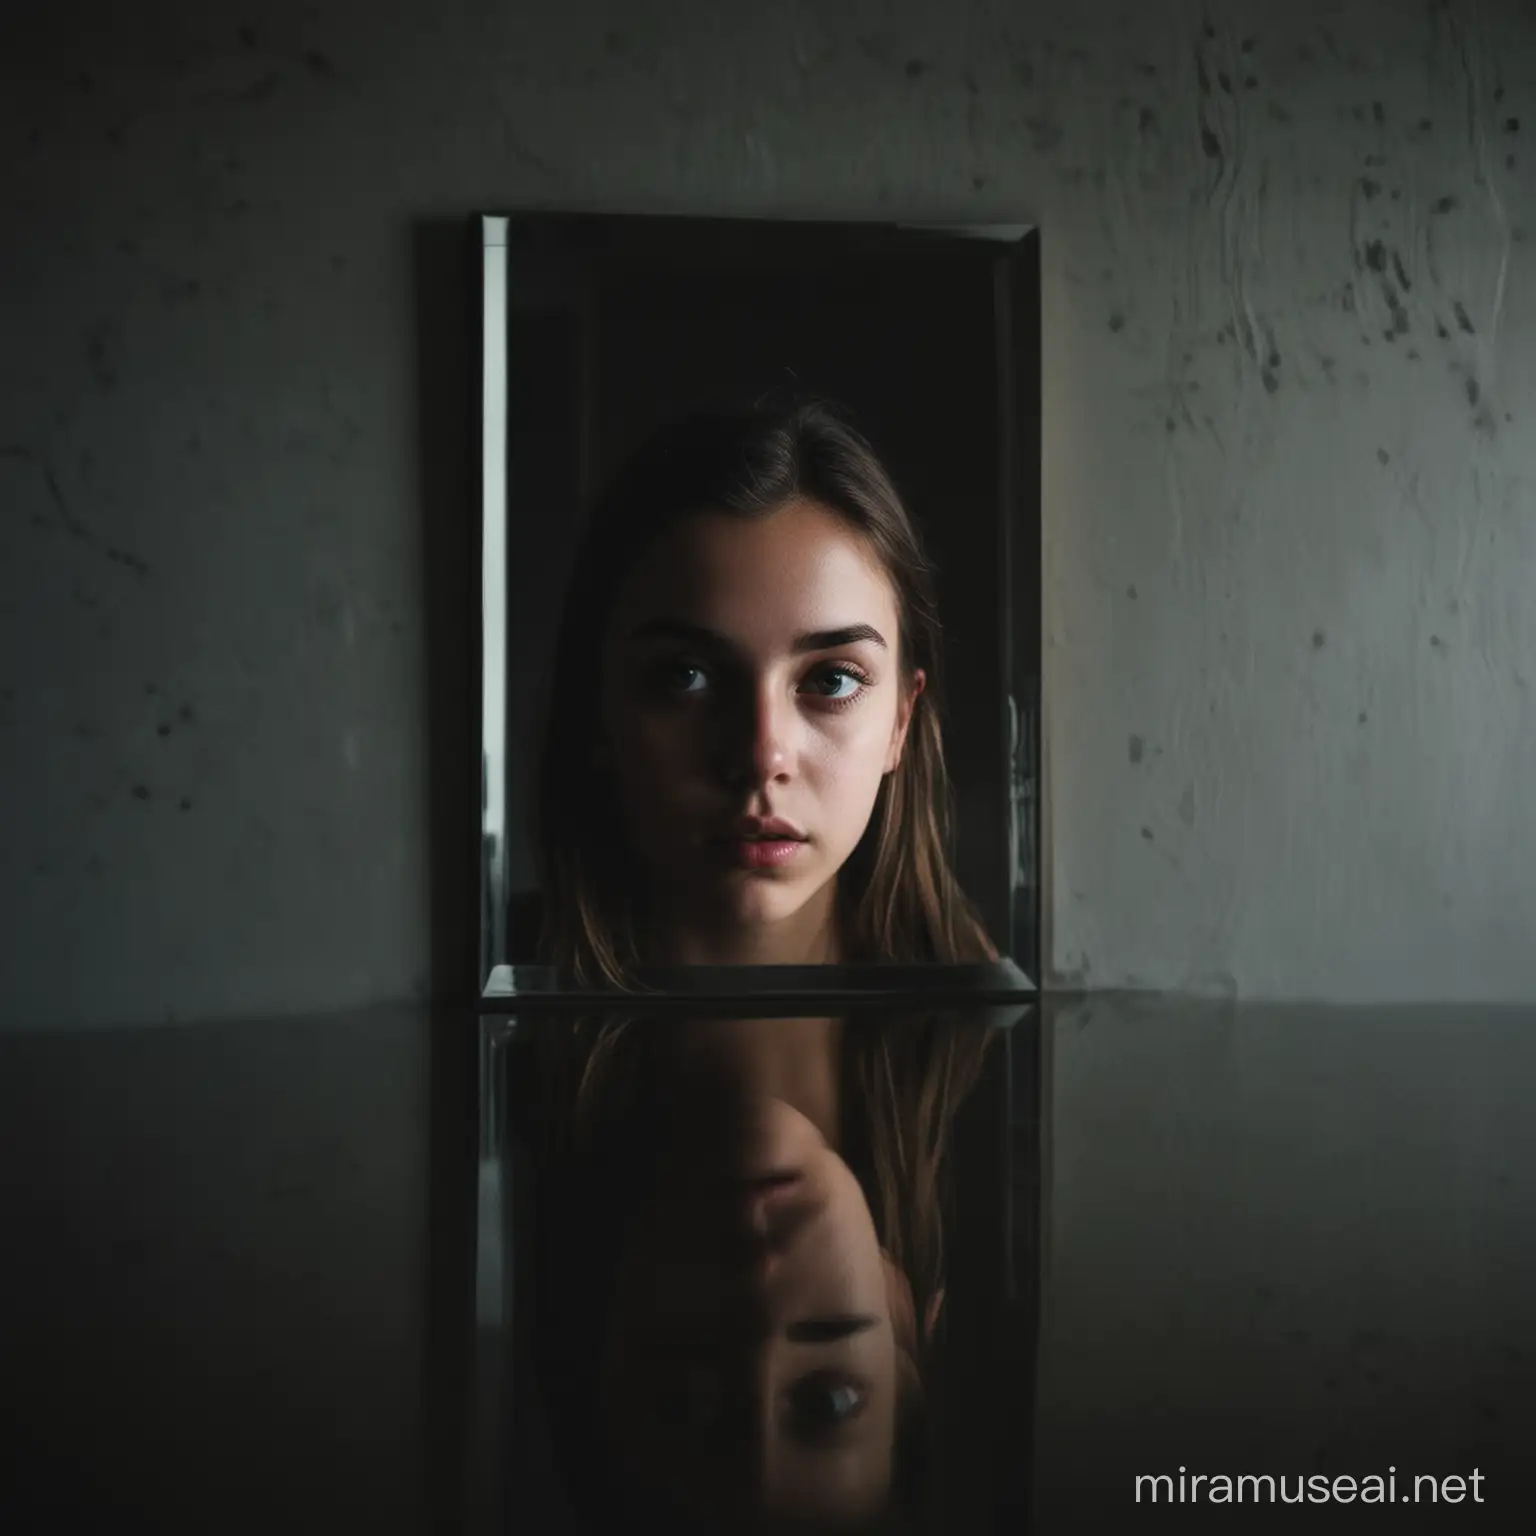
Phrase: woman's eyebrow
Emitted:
{"points": [[813, 640], [826, 1330]]}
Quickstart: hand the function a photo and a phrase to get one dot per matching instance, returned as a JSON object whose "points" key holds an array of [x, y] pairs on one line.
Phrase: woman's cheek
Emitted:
{"points": [[665, 744]]}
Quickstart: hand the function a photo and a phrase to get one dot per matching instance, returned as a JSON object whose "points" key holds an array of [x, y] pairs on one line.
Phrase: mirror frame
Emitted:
{"points": [[1016, 310]]}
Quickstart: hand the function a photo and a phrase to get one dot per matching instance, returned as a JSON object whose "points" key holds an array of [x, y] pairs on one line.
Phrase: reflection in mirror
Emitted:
{"points": [[740, 766], [728, 720], [735, 1285]]}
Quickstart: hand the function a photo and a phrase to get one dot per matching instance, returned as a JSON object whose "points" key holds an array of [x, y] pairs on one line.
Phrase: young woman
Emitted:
{"points": [[742, 758], [740, 1249]]}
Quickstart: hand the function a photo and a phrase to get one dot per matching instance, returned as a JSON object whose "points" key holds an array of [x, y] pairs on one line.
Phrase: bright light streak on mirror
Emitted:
{"points": [[494, 589]]}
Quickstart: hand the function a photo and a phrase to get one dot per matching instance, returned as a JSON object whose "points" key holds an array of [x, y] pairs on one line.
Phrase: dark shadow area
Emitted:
{"points": [[1287, 1241], [211, 1299], [445, 286]]}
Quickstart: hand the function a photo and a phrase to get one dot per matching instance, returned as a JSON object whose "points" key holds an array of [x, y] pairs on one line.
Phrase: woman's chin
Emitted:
{"points": [[774, 1141], [742, 905], [717, 1134]]}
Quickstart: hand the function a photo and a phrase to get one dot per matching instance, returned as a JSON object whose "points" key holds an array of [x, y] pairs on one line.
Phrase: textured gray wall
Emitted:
{"points": [[1289, 381]]}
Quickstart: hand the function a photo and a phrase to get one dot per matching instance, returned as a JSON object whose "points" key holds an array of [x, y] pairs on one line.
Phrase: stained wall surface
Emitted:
{"points": [[1289, 378]]}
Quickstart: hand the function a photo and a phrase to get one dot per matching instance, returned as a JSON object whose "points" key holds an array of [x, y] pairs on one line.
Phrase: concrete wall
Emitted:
{"points": [[1289, 379]]}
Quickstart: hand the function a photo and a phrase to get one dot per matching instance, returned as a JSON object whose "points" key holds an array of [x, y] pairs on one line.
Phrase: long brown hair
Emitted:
{"points": [[897, 895]]}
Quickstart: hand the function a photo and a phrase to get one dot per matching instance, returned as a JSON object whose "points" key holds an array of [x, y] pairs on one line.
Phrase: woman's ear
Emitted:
{"points": [[898, 1297], [904, 719], [935, 1307]]}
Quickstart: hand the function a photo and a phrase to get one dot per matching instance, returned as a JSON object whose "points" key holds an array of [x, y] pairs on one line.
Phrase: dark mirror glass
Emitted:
{"points": [[760, 595]]}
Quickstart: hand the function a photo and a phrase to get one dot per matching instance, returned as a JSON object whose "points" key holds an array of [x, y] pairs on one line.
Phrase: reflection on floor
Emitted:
{"points": [[1228, 1239]]}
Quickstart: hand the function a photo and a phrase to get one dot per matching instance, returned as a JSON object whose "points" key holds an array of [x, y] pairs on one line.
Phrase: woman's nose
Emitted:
{"points": [[774, 1211], [759, 735]]}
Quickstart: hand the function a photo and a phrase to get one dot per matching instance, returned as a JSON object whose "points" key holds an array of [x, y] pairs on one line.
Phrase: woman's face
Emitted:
{"points": [[752, 669], [751, 1365]]}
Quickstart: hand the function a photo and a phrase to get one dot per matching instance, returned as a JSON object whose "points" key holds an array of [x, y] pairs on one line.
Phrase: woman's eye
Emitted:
{"points": [[690, 678], [673, 674], [847, 675], [822, 1402]]}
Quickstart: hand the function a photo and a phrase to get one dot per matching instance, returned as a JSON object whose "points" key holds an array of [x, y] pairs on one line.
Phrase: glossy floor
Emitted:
{"points": [[1243, 1240]]}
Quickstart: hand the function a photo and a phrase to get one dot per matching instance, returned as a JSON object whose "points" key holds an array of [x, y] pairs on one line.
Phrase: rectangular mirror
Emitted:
{"points": [[599, 330]]}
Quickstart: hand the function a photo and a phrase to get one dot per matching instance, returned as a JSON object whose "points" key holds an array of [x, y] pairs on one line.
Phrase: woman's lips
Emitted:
{"points": [[771, 1191], [762, 853], [764, 1184]]}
